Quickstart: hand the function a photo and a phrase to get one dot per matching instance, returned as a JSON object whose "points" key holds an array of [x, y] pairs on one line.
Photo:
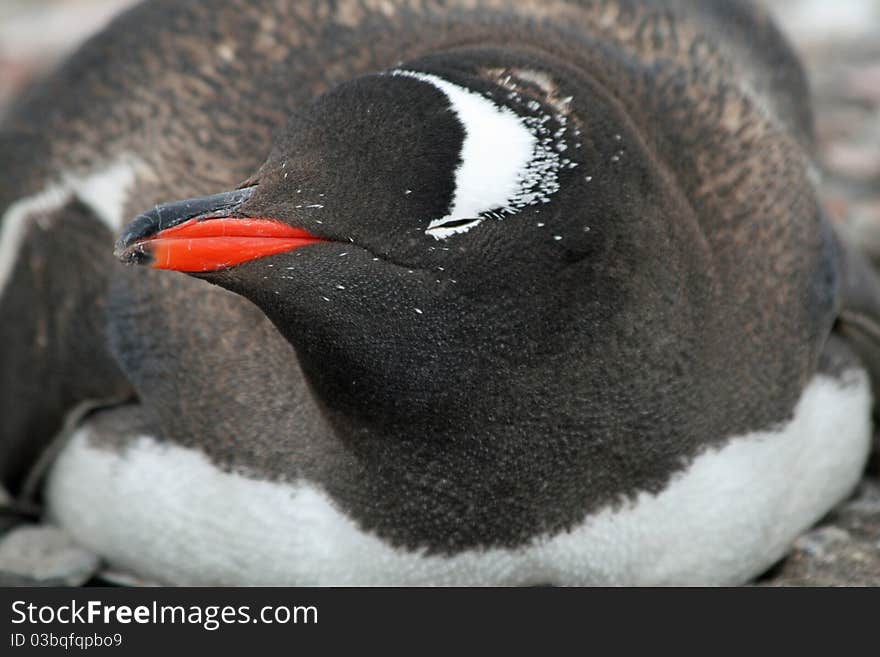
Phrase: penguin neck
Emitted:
{"points": [[400, 381], [394, 388]]}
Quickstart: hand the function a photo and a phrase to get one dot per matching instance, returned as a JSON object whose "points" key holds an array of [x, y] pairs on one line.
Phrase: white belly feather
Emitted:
{"points": [[167, 513]]}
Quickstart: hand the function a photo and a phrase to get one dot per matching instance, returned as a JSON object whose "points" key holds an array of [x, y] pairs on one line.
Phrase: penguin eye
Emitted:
{"points": [[442, 228]]}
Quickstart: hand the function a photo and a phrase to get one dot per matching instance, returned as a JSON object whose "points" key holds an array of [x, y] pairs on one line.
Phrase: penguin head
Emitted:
{"points": [[425, 236]]}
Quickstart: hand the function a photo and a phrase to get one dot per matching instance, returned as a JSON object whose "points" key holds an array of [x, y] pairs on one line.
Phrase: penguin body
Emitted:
{"points": [[169, 514], [515, 293]]}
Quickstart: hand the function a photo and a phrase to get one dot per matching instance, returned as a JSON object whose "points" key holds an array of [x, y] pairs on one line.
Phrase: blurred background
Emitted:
{"points": [[839, 42]]}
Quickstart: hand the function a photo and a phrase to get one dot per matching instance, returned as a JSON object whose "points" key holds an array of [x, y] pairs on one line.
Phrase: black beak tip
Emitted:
{"points": [[123, 244], [138, 253], [131, 248]]}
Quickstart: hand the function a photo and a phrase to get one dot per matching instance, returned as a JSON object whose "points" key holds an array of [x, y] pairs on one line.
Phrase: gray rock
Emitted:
{"points": [[844, 550], [44, 556]]}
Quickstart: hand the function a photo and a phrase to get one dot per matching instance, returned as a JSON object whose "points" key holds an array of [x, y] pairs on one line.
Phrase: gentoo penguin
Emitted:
{"points": [[462, 292]]}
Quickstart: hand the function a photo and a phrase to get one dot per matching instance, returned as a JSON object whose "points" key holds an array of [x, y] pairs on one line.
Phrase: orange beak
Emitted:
{"points": [[221, 242], [206, 234]]}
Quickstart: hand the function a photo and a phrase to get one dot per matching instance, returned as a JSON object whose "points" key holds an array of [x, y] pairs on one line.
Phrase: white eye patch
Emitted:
{"points": [[507, 163]]}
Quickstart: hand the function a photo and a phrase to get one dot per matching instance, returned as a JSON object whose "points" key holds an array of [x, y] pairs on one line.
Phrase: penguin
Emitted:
{"points": [[468, 292]]}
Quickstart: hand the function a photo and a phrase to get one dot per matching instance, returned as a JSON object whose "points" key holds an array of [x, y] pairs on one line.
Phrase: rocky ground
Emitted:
{"points": [[840, 45]]}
